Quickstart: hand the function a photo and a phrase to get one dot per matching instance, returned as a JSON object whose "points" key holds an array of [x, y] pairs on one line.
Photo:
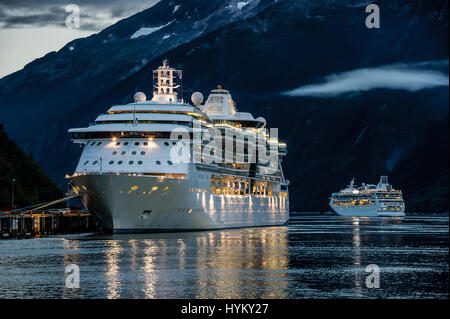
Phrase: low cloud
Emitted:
{"points": [[411, 77]]}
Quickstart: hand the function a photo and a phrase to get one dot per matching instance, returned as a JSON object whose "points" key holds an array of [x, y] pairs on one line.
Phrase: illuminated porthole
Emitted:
{"points": [[111, 162], [139, 162], [145, 144], [158, 163], [131, 162], [118, 143]]}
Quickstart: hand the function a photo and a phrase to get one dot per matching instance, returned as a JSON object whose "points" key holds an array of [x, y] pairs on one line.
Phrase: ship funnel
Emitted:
{"points": [[383, 183]]}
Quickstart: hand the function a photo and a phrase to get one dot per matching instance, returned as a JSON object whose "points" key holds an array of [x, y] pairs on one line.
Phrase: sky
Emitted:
{"points": [[29, 29]]}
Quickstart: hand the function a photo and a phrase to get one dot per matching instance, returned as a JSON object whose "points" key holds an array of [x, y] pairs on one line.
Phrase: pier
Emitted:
{"points": [[46, 222]]}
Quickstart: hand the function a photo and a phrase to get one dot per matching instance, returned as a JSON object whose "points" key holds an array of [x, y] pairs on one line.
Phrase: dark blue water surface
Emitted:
{"points": [[312, 257]]}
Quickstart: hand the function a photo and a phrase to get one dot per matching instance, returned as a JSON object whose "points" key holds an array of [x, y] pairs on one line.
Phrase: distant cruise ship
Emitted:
{"points": [[369, 200], [128, 178]]}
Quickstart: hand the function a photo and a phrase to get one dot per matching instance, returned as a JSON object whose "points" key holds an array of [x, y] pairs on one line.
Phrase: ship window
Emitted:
{"points": [[99, 143], [118, 143], [142, 153], [136, 143], [145, 143], [93, 143], [130, 162], [139, 162], [95, 163], [119, 162], [133, 153], [166, 143], [158, 163], [111, 162], [122, 153], [174, 143], [85, 163], [169, 162], [126, 143], [114, 153]]}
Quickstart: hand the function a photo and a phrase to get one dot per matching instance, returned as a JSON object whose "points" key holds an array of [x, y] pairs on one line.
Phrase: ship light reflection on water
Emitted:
{"points": [[210, 262], [113, 270], [312, 257], [357, 253]]}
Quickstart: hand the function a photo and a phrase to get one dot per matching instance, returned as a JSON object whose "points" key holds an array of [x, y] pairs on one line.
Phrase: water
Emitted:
{"points": [[313, 257]]}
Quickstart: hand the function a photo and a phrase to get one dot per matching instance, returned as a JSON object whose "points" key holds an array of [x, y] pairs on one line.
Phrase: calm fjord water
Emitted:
{"points": [[312, 257]]}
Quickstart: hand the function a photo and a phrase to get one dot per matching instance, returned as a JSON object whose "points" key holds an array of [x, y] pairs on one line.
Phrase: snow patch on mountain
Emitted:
{"points": [[242, 4], [168, 36], [176, 8], [146, 31]]}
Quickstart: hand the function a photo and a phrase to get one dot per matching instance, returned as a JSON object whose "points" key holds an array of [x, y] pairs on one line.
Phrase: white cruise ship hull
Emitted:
{"points": [[133, 203], [368, 211]]}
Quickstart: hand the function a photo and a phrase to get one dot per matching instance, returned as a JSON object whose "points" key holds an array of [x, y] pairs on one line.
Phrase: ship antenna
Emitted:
{"points": [[180, 74]]}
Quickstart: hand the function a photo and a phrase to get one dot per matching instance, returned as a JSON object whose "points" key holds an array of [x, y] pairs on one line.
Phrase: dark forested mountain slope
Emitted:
{"points": [[32, 186]]}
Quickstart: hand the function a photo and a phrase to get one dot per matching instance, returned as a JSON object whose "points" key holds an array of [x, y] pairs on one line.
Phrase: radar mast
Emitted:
{"points": [[167, 82]]}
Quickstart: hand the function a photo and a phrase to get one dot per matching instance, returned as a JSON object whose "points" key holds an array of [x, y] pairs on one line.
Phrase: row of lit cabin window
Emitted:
{"points": [[232, 185], [353, 203]]}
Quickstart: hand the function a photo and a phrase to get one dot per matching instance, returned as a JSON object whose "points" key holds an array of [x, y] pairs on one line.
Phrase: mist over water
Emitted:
{"points": [[312, 257]]}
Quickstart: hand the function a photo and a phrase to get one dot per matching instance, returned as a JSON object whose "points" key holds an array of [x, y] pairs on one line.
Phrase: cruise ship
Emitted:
{"points": [[369, 200], [167, 165]]}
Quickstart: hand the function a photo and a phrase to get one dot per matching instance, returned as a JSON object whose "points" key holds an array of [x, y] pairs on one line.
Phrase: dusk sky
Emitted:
{"points": [[29, 29]]}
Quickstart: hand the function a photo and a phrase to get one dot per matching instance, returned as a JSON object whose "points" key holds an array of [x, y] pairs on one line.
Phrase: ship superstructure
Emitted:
{"points": [[150, 166], [369, 200]]}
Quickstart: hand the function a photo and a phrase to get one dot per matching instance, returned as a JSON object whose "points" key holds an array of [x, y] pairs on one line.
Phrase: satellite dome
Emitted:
{"points": [[261, 119], [140, 97], [197, 98]]}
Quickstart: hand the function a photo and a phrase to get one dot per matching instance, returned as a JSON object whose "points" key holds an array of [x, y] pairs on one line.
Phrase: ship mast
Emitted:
{"points": [[165, 88]]}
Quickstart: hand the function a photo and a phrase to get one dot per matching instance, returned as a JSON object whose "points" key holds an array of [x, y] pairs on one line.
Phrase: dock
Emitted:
{"points": [[38, 223]]}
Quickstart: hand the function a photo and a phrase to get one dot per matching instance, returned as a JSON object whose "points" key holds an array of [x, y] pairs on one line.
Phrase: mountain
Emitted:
{"points": [[257, 50], [31, 186]]}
